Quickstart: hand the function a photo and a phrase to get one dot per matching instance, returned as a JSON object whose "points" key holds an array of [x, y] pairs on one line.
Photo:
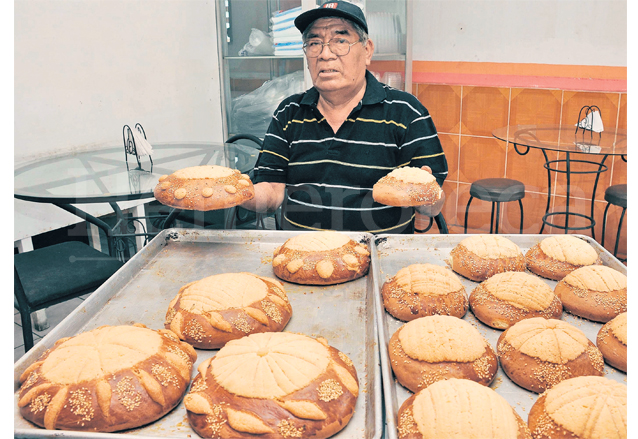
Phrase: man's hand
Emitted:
{"points": [[431, 210], [268, 197]]}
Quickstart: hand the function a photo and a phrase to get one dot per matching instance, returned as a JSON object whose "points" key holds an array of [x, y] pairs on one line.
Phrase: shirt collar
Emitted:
{"points": [[375, 93]]}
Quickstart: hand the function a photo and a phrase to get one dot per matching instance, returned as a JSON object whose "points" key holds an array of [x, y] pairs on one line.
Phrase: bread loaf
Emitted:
{"points": [[204, 188], [407, 186], [321, 258], [109, 379], [509, 297], [273, 385], [595, 292], [479, 257], [557, 256], [209, 312], [612, 341], [435, 348], [539, 353], [581, 408], [420, 290], [459, 409]]}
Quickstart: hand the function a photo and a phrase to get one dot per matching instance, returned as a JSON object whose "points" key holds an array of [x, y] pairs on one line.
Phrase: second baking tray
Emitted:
{"points": [[397, 251], [142, 289]]}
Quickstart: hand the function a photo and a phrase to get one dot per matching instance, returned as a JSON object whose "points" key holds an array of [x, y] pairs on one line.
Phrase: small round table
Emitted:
{"points": [[106, 175], [567, 140]]}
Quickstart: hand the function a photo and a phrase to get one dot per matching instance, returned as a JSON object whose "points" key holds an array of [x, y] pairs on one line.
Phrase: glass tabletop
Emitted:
{"points": [[565, 139], [109, 175]]}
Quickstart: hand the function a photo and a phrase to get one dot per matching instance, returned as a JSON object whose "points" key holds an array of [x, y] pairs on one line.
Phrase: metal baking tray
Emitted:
{"points": [[397, 251], [141, 290]]}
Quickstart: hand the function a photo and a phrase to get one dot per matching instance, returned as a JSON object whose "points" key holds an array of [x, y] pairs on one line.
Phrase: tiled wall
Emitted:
{"points": [[465, 117]]}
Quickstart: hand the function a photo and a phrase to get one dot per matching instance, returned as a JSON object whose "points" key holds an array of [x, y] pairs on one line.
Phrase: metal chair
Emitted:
{"points": [[616, 195], [55, 274], [440, 223], [496, 191]]}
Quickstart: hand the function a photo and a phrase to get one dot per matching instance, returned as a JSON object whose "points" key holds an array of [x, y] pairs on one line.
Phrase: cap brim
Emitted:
{"points": [[303, 20]]}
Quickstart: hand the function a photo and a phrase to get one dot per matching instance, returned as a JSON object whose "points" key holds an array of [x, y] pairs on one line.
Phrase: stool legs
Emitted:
{"points": [[494, 221], [622, 217]]}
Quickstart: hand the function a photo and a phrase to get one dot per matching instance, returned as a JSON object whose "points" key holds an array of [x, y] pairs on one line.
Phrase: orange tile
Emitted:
{"points": [[481, 157], [611, 228], [534, 205], [450, 145], [619, 171], [483, 109], [444, 105], [535, 106], [529, 168], [622, 112], [574, 101]]}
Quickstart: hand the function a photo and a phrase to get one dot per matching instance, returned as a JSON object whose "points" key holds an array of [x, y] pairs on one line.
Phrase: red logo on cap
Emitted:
{"points": [[330, 5]]}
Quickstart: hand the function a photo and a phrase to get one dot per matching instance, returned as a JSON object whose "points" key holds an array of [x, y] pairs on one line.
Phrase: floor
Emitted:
{"points": [[55, 314]]}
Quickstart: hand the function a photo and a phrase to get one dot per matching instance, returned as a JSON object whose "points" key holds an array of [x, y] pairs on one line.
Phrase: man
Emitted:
{"points": [[325, 148]]}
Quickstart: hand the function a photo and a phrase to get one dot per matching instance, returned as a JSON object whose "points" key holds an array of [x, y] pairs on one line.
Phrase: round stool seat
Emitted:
{"points": [[617, 195], [497, 189]]}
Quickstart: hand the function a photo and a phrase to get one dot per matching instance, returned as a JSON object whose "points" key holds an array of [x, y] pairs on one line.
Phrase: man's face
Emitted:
{"points": [[330, 72]]}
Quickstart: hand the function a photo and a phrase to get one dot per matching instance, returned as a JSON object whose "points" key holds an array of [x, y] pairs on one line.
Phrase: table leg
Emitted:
{"points": [[549, 188], [568, 172]]}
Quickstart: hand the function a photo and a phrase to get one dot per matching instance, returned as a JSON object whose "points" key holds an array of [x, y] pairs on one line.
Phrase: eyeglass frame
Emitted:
{"points": [[305, 45]]}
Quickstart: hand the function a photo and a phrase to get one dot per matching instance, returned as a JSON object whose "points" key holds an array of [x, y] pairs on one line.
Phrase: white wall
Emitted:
{"points": [[85, 68], [573, 32]]}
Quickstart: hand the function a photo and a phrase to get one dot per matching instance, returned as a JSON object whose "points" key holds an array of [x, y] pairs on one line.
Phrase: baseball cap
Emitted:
{"points": [[341, 9]]}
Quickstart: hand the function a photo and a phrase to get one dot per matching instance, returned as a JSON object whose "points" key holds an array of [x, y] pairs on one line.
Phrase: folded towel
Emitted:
{"points": [[289, 39], [141, 144]]}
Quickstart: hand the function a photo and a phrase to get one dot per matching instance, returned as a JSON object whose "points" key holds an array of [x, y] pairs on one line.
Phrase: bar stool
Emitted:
{"points": [[616, 195], [496, 191]]}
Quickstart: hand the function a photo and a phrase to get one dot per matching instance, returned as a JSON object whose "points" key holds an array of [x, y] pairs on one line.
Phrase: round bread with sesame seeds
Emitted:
{"points": [[478, 257], [421, 290], [581, 408], [507, 298], [539, 353], [612, 342], [435, 348], [321, 258], [209, 312], [459, 409], [111, 378], [276, 385], [204, 188], [595, 292], [557, 256], [407, 186]]}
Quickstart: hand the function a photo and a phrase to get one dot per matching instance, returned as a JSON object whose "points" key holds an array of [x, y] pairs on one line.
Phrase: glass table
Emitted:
{"points": [[596, 147], [108, 176]]}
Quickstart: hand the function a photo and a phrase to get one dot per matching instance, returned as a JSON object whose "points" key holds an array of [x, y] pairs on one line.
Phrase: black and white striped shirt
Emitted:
{"points": [[329, 177]]}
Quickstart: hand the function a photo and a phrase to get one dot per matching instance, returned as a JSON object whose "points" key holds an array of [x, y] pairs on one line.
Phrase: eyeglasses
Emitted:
{"points": [[338, 46]]}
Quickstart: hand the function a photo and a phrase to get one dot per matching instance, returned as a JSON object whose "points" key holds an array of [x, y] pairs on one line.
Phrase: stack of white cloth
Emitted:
{"points": [[286, 37]]}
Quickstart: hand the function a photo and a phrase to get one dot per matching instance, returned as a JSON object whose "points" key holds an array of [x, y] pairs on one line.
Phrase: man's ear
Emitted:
{"points": [[369, 51]]}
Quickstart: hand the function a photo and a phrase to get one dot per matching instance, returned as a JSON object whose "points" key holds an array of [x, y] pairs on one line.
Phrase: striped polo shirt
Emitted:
{"points": [[329, 176]]}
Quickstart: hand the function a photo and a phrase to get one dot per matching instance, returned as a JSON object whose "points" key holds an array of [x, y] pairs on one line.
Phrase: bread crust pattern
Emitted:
{"points": [[273, 386], [479, 257], [581, 408], [507, 298], [436, 348], [557, 256], [407, 186], [214, 310], [459, 409], [539, 353], [612, 342], [204, 188], [421, 290], [109, 379], [321, 258], [595, 292]]}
